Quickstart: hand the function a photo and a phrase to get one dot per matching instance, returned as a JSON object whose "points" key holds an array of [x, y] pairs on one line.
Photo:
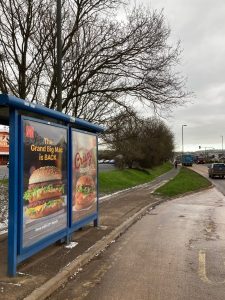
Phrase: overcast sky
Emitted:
{"points": [[200, 26]]}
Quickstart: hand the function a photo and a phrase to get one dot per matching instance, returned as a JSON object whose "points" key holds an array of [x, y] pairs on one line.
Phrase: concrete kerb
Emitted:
{"points": [[62, 277]]}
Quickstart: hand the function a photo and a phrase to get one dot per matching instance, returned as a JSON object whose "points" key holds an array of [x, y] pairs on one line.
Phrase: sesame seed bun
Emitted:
{"points": [[43, 174]]}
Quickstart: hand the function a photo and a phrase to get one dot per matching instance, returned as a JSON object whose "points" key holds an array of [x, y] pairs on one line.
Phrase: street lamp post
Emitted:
{"points": [[182, 142], [222, 144]]}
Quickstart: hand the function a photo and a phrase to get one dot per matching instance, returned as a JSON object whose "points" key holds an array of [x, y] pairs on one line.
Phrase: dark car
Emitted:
{"points": [[200, 160], [216, 170]]}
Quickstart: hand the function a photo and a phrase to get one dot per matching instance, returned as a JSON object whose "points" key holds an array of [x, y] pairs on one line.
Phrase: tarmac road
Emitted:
{"points": [[106, 167], [4, 171], [218, 182], [176, 252]]}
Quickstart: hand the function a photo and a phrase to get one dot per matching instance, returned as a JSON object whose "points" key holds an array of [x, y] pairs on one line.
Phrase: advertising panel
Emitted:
{"points": [[4, 146], [45, 180], [4, 140], [84, 175]]}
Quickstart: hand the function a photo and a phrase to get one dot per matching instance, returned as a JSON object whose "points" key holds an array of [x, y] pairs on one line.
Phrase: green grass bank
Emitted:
{"points": [[185, 181], [4, 181], [116, 180]]}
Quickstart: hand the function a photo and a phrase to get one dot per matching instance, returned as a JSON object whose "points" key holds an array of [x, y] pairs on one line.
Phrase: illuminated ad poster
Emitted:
{"points": [[84, 175], [45, 181]]}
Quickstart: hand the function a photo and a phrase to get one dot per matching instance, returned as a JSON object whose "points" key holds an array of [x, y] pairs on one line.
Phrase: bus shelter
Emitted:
{"points": [[53, 176]]}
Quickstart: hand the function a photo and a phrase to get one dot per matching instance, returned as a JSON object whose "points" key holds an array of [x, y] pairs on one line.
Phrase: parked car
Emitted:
{"points": [[216, 170]]}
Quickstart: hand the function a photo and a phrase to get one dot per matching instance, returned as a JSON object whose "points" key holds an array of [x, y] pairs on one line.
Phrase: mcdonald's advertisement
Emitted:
{"points": [[45, 180], [84, 175]]}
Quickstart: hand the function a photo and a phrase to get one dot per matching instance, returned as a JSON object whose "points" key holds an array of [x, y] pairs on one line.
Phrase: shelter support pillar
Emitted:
{"points": [[13, 192]]}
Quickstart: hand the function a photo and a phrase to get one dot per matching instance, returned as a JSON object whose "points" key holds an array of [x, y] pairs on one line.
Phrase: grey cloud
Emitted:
{"points": [[200, 25]]}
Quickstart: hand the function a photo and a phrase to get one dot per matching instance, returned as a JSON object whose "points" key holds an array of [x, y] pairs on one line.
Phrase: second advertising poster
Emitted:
{"points": [[84, 157]]}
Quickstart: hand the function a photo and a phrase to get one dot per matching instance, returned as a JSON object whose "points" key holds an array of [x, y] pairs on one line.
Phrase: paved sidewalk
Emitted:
{"points": [[57, 262]]}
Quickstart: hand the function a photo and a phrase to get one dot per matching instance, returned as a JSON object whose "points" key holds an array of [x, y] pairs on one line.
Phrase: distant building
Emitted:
{"points": [[4, 146]]}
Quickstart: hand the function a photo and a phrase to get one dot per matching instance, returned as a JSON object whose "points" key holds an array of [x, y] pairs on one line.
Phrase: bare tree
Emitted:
{"points": [[108, 65], [157, 142], [146, 142], [24, 32]]}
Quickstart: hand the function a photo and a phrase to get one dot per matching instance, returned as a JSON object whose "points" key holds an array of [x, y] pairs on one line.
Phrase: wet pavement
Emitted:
{"points": [[113, 211], [174, 252]]}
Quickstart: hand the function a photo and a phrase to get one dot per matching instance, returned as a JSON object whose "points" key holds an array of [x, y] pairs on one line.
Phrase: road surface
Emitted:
{"points": [[4, 171], [106, 167], [217, 182], [176, 252]]}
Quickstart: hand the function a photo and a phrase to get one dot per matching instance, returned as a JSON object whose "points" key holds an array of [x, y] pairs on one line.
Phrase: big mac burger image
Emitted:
{"points": [[85, 193], [44, 194]]}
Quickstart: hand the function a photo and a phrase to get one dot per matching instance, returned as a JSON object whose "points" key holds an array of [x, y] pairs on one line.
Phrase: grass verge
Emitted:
{"points": [[4, 181], [116, 180], [185, 181]]}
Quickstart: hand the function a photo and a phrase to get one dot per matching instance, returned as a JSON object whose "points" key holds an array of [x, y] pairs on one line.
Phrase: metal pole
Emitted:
{"points": [[59, 57], [182, 143], [13, 192], [222, 145]]}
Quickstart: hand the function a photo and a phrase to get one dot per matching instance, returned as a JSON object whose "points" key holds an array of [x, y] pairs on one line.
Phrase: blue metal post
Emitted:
{"points": [[13, 192], [69, 183], [96, 223]]}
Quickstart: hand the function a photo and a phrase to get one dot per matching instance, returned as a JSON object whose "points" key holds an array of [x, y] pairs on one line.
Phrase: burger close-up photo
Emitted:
{"points": [[85, 193], [44, 194]]}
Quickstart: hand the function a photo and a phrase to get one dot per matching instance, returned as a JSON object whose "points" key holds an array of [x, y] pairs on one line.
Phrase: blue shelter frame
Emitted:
{"points": [[12, 112]]}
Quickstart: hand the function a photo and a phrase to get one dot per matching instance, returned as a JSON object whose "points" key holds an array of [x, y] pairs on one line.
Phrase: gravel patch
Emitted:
{"points": [[3, 208]]}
